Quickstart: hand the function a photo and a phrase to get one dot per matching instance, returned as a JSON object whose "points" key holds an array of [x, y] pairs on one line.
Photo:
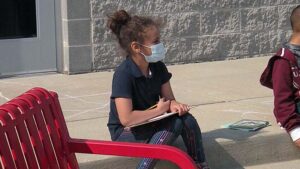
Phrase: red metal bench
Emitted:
{"points": [[33, 134]]}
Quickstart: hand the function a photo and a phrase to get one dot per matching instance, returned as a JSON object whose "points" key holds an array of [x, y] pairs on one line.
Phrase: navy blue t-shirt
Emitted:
{"points": [[129, 82]]}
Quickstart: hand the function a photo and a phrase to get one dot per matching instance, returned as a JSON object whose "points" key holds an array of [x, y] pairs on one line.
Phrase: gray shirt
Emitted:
{"points": [[295, 49]]}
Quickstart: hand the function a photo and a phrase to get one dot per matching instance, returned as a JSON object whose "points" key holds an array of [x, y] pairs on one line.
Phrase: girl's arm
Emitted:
{"points": [[129, 117], [166, 92]]}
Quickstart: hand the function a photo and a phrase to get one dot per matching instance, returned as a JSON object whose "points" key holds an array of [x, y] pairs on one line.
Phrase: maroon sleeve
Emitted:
{"points": [[284, 99]]}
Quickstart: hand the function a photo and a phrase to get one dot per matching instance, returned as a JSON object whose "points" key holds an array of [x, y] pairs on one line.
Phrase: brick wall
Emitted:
{"points": [[198, 30]]}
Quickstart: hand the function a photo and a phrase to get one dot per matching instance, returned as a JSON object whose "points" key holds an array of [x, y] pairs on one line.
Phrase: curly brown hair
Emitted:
{"points": [[129, 28]]}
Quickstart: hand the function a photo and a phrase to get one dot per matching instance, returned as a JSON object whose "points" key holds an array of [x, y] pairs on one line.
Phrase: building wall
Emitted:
{"points": [[195, 30], [76, 35]]}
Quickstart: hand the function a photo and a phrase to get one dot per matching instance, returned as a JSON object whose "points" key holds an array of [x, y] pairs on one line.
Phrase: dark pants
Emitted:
{"points": [[165, 132]]}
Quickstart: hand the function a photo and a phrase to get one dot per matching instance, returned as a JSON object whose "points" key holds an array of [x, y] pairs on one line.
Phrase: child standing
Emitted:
{"points": [[283, 76], [142, 81]]}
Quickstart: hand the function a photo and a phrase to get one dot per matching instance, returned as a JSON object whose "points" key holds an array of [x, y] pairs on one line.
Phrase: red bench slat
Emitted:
{"points": [[42, 130], [23, 135], [35, 128], [52, 128], [6, 156], [13, 138]]}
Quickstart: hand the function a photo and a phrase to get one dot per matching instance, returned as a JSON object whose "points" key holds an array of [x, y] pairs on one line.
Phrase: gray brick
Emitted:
{"points": [[182, 50], [285, 2], [107, 56], [248, 45], [159, 6], [80, 59], [219, 47], [284, 16], [205, 48], [188, 6], [257, 3], [259, 19], [255, 43], [101, 33], [79, 32], [101, 8], [220, 21], [181, 24], [278, 38], [105, 7], [78, 9], [214, 4], [264, 42]]}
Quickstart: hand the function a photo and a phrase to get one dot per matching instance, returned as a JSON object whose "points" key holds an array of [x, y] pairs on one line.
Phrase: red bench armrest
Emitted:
{"points": [[162, 152]]}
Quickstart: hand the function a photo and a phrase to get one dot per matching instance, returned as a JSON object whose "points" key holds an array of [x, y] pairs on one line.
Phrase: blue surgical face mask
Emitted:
{"points": [[158, 53]]}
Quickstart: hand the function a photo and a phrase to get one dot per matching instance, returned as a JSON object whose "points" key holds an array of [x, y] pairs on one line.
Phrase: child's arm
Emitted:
{"points": [[129, 117], [284, 102], [166, 92]]}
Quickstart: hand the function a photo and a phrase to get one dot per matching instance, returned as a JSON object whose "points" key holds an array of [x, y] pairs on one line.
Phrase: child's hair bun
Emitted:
{"points": [[117, 20]]}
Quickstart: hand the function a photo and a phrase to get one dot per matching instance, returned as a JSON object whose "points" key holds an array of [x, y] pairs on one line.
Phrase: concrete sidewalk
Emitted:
{"points": [[222, 92]]}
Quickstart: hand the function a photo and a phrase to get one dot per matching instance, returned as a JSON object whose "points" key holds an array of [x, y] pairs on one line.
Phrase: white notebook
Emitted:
{"points": [[165, 115]]}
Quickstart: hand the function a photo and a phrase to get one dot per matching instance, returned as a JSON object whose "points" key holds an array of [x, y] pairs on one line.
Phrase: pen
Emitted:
{"points": [[152, 107]]}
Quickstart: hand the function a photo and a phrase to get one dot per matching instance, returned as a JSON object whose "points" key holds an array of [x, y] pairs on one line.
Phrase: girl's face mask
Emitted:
{"points": [[158, 52]]}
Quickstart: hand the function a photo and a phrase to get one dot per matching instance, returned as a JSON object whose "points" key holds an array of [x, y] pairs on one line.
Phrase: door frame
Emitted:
{"points": [[58, 35], [59, 6]]}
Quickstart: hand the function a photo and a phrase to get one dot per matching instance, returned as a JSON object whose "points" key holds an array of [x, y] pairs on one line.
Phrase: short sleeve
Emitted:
{"points": [[121, 85], [166, 75]]}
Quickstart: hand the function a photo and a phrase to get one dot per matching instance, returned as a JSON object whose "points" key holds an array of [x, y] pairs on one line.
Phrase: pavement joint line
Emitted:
{"points": [[90, 95], [16, 83], [228, 101], [79, 99], [191, 106], [87, 111], [1, 95], [91, 118]]}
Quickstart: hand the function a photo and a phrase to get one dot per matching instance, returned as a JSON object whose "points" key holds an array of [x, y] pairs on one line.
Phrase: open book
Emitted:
{"points": [[165, 115]]}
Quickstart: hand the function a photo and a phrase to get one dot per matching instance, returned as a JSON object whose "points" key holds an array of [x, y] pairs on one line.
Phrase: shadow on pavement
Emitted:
{"points": [[233, 149]]}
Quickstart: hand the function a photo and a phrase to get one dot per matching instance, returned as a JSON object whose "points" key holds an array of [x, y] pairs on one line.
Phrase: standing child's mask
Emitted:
{"points": [[158, 53]]}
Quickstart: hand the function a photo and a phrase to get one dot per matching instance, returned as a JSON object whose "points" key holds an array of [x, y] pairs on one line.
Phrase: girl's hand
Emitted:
{"points": [[179, 107], [162, 105]]}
